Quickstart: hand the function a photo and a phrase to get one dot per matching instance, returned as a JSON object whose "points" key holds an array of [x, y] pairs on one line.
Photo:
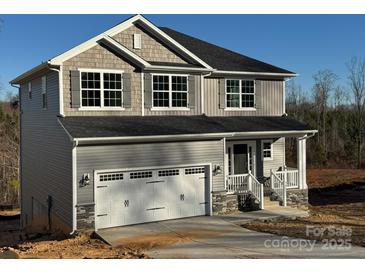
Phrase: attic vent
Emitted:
{"points": [[137, 41]]}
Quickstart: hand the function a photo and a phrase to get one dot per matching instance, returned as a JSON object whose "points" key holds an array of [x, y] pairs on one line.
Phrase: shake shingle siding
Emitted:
{"points": [[46, 157]]}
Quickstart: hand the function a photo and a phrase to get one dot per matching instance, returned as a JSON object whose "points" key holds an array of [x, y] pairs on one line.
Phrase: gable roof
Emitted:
{"points": [[221, 58], [210, 57], [138, 126]]}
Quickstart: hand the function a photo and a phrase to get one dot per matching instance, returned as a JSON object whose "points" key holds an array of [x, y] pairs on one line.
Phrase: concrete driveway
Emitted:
{"points": [[216, 237]]}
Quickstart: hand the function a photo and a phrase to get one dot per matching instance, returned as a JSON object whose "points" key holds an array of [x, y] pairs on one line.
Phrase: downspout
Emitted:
{"points": [[202, 91], [20, 155], [60, 87], [284, 84], [142, 91], [74, 186]]}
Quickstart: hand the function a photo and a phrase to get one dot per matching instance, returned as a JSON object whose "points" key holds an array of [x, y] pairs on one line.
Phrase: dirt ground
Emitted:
{"points": [[60, 247], [337, 200], [14, 244]]}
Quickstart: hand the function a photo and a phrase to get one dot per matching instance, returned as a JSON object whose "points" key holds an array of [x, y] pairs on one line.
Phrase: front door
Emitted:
{"points": [[240, 158]]}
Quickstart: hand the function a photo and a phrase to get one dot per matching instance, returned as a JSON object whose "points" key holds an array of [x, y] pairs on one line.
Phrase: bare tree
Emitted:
{"points": [[324, 84], [356, 76]]}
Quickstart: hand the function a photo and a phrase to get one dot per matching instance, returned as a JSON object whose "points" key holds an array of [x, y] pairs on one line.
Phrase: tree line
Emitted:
{"points": [[338, 112]]}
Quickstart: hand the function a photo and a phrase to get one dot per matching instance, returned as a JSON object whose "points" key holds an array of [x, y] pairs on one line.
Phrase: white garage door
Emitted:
{"points": [[124, 198]]}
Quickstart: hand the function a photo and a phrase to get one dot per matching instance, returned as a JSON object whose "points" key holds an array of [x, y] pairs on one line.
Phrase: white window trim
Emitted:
{"points": [[102, 107], [44, 92], [30, 95], [271, 149], [240, 96], [170, 91]]}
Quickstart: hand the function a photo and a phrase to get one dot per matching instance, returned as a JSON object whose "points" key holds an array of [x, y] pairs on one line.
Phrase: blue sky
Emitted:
{"points": [[301, 43]]}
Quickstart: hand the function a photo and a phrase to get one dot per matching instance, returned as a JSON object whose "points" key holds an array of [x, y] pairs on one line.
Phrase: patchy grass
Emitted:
{"points": [[337, 200]]}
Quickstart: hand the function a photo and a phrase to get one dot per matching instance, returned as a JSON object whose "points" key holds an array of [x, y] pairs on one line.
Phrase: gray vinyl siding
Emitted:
{"points": [[269, 99], [193, 111], [46, 155], [278, 157], [91, 158]]}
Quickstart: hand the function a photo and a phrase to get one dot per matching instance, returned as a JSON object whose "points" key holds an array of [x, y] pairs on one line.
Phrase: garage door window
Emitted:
{"points": [[194, 170], [141, 174], [169, 172], [111, 177]]}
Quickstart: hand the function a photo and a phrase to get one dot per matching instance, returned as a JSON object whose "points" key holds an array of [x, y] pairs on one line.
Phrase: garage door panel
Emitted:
{"points": [[151, 195]]}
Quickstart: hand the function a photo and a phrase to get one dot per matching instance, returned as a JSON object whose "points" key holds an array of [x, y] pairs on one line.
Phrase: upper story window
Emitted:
{"points": [[101, 89], [30, 90], [44, 92], [267, 150], [240, 93], [170, 91]]}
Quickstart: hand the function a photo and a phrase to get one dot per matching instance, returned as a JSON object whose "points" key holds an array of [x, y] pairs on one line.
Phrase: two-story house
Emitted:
{"points": [[141, 124]]}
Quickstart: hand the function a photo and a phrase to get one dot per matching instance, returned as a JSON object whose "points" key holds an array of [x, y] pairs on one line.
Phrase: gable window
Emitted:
{"points": [[267, 150], [44, 92], [240, 93], [170, 91], [101, 89], [30, 90]]}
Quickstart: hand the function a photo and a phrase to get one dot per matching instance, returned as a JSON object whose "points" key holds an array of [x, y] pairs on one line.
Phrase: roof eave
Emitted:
{"points": [[30, 72], [281, 74], [205, 136]]}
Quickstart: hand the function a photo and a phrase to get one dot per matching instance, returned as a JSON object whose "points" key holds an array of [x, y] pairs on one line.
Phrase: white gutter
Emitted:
{"points": [[169, 68], [60, 89], [311, 134], [155, 138], [256, 73]]}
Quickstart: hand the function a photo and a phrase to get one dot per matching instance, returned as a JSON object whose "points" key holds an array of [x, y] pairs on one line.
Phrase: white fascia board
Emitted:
{"points": [[124, 50], [175, 43], [93, 41], [169, 68], [30, 72], [255, 73], [257, 134], [113, 31]]}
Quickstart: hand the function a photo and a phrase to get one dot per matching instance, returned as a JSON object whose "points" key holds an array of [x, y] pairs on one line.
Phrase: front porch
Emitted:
{"points": [[256, 170]]}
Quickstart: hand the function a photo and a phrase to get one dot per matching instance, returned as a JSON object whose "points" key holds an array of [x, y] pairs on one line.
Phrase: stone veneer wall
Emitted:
{"points": [[223, 203], [297, 197], [86, 217]]}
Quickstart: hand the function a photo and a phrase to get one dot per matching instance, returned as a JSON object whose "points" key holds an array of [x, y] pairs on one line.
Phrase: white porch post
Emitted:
{"points": [[302, 162]]}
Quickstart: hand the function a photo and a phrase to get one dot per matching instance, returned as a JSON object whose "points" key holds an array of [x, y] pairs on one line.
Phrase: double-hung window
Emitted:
{"points": [[101, 89], [267, 150], [240, 93], [44, 92], [169, 91]]}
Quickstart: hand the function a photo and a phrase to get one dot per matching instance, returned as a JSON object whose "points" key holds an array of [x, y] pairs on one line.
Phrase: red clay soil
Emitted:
{"points": [[319, 178]]}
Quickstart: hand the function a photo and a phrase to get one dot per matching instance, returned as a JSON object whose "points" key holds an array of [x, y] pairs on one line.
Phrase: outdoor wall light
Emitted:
{"points": [[217, 170], [85, 181]]}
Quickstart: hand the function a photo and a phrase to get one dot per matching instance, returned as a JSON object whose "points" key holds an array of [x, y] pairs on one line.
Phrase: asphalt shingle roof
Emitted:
{"points": [[107, 126], [221, 58]]}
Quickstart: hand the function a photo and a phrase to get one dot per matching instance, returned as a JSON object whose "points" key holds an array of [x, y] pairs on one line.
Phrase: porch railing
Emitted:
{"points": [[246, 183], [237, 183], [278, 186], [292, 177]]}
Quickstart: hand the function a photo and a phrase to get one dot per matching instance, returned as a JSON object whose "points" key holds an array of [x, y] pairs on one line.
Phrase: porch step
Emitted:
{"points": [[270, 204]]}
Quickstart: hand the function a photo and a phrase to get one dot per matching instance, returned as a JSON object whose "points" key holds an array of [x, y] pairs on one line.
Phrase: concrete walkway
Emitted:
{"points": [[217, 237]]}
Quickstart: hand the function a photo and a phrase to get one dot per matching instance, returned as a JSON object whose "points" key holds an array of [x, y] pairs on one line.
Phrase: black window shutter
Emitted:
{"points": [[222, 93], [147, 90], [75, 88], [257, 94], [127, 94], [191, 85]]}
